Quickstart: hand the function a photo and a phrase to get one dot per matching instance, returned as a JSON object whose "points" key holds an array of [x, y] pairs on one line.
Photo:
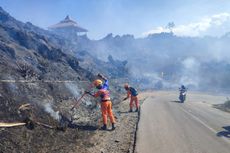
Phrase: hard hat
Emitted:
{"points": [[97, 82]]}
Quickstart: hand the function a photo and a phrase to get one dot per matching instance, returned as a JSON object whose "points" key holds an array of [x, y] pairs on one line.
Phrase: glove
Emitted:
{"points": [[99, 75]]}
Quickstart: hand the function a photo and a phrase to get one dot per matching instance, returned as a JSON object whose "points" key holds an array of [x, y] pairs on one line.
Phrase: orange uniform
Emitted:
{"points": [[132, 99], [106, 105]]}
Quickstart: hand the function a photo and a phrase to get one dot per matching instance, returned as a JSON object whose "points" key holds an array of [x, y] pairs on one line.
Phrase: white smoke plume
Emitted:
{"points": [[55, 114], [73, 88], [190, 72]]}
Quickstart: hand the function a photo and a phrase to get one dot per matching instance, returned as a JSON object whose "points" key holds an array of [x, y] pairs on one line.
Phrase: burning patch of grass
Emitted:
{"points": [[224, 107], [227, 104]]}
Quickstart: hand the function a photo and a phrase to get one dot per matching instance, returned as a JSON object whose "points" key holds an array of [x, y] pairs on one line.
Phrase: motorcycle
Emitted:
{"points": [[182, 96]]}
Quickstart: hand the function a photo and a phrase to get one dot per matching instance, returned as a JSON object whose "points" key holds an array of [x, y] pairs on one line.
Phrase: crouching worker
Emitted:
{"points": [[132, 92], [106, 104]]}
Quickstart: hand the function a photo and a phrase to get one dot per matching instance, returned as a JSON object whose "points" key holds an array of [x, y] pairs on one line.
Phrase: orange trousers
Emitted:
{"points": [[135, 99], [106, 110]]}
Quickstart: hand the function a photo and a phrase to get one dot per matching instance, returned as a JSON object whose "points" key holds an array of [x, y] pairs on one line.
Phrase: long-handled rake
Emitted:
{"points": [[78, 101]]}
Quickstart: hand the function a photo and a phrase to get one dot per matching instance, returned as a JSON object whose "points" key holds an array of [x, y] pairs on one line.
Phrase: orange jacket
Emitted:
{"points": [[103, 93]]}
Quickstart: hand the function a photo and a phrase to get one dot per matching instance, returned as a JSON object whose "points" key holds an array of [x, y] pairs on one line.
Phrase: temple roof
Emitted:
{"points": [[68, 23]]}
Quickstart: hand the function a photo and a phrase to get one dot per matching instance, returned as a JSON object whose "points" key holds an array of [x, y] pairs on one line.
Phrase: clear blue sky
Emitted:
{"points": [[101, 17]]}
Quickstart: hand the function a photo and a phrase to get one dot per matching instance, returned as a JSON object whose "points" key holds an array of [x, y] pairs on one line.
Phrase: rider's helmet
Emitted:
{"points": [[182, 87]]}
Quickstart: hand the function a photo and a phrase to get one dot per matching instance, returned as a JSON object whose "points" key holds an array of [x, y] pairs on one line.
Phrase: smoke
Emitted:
{"points": [[190, 72], [11, 85], [47, 105], [55, 114], [73, 88], [182, 60]]}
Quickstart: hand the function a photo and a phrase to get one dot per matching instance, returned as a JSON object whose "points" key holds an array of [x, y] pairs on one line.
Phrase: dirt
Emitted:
{"points": [[83, 136], [122, 138]]}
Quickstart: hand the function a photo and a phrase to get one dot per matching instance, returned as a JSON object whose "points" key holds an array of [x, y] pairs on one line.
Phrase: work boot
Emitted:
{"points": [[104, 127], [113, 126], [137, 110], [130, 110]]}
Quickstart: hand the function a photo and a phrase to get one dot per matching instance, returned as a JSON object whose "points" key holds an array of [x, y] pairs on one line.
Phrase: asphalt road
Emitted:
{"points": [[167, 126]]}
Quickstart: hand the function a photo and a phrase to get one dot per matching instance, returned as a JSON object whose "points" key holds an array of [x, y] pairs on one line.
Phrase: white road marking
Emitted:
{"points": [[203, 123]]}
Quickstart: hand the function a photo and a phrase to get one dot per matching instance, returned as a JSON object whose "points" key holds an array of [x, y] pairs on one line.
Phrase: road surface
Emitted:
{"points": [[167, 126]]}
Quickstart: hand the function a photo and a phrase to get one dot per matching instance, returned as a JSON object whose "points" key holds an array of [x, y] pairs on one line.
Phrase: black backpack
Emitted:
{"points": [[133, 91]]}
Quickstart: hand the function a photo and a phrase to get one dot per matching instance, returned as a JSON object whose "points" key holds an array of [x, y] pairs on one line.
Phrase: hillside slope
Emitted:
{"points": [[35, 70]]}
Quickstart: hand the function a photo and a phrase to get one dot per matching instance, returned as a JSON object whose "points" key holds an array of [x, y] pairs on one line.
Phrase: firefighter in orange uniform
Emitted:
{"points": [[106, 104], [132, 92]]}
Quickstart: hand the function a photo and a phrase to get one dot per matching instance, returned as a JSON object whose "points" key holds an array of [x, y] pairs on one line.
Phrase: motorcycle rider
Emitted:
{"points": [[182, 88], [183, 91]]}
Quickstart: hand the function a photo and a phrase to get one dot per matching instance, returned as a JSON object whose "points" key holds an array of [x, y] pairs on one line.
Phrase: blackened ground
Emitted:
{"points": [[41, 139], [79, 136]]}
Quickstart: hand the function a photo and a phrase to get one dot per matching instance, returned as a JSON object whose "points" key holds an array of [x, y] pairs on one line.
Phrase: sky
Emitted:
{"points": [[136, 17]]}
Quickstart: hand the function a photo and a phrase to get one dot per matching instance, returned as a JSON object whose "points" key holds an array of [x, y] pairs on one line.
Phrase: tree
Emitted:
{"points": [[170, 26]]}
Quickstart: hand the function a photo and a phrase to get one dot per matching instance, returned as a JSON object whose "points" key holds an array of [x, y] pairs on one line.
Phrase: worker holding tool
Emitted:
{"points": [[132, 92], [106, 104]]}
